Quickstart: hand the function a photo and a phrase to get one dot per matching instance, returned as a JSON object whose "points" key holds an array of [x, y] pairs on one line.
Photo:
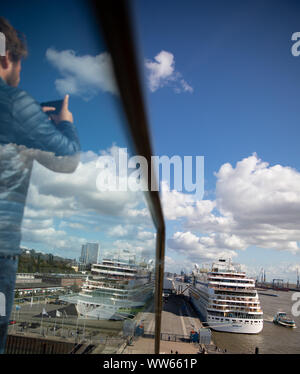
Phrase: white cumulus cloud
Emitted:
{"points": [[256, 205], [83, 75], [161, 72], [62, 210]]}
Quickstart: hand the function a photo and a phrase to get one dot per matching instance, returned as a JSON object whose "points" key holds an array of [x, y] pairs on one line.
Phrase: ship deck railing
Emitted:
{"points": [[238, 299], [226, 273], [245, 310], [238, 303], [235, 289], [222, 307]]}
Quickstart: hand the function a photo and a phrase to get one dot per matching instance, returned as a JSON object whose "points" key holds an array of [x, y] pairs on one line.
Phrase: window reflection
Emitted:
{"points": [[86, 256]]}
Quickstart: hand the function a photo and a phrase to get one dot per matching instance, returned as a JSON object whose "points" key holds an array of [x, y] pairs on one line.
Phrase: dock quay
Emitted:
{"points": [[179, 319]]}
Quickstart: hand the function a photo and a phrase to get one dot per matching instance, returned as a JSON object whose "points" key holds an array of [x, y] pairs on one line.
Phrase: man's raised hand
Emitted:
{"points": [[64, 114]]}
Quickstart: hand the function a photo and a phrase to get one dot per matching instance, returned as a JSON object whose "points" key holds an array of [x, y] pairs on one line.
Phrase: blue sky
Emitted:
{"points": [[236, 56], [230, 90]]}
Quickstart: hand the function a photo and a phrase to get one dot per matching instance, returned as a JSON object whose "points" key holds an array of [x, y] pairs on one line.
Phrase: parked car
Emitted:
{"points": [[12, 322]]}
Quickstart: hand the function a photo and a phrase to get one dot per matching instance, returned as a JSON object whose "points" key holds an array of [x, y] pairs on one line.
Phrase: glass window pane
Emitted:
{"points": [[87, 250]]}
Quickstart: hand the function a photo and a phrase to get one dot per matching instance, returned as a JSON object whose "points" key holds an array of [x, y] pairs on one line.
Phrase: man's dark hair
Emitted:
{"points": [[15, 42]]}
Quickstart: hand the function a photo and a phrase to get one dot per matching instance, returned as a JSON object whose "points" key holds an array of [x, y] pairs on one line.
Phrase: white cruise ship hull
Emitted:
{"points": [[99, 312], [103, 311], [226, 324], [243, 326], [226, 298]]}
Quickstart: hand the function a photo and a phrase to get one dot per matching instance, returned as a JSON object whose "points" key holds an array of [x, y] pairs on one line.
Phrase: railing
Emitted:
{"points": [[168, 337], [235, 289], [227, 280], [237, 304], [227, 273], [225, 298], [229, 309], [117, 31]]}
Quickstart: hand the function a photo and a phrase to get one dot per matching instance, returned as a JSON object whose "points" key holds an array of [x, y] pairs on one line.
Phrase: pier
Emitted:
{"points": [[35, 333], [179, 319]]}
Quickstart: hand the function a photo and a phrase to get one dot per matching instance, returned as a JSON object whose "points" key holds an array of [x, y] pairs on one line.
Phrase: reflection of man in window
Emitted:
{"points": [[26, 134]]}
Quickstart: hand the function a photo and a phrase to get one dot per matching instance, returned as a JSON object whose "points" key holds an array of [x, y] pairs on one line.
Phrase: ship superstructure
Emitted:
{"points": [[226, 299], [114, 288]]}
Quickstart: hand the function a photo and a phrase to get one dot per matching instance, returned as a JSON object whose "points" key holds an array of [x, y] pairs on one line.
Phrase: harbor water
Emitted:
{"points": [[274, 338]]}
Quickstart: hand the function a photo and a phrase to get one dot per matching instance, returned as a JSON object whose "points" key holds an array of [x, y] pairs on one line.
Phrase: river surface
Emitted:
{"points": [[273, 338]]}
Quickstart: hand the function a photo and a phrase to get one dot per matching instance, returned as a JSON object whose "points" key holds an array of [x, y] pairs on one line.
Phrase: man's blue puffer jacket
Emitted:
{"points": [[26, 133]]}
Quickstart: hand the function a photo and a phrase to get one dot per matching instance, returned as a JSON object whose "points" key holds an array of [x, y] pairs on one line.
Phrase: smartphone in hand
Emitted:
{"points": [[56, 104]]}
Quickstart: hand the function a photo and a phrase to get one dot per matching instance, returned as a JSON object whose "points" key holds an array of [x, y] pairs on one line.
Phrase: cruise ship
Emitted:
{"points": [[226, 299], [115, 289]]}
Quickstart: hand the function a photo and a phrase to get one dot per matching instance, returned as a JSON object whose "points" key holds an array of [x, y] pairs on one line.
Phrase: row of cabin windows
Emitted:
{"points": [[234, 320], [106, 269], [230, 280], [232, 293], [235, 315]]}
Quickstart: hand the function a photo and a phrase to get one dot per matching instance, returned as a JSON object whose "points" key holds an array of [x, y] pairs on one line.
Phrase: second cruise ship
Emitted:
{"points": [[114, 290], [226, 298]]}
